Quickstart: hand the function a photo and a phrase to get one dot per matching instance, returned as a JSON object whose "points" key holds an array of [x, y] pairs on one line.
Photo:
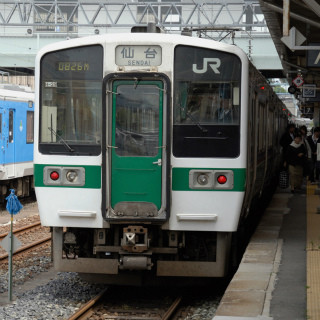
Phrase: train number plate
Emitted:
{"points": [[138, 56]]}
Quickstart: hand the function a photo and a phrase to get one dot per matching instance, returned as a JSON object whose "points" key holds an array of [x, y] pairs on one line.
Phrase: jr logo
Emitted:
{"points": [[214, 64]]}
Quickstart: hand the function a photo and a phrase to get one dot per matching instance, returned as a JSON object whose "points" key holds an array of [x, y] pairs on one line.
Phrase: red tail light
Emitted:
{"points": [[222, 179], [54, 175]]}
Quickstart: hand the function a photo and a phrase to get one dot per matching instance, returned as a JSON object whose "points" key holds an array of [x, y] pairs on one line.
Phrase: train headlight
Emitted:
{"points": [[71, 175], [203, 179]]}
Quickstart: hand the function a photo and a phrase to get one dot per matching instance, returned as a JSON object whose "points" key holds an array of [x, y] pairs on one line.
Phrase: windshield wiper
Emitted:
{"points": [[61, 139], [136, 82], [194, 121]]}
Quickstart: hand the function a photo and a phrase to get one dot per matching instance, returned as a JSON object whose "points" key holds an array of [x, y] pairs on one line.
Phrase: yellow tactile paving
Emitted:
{"points": [[313, 219], [313, 253], [313, 285]]}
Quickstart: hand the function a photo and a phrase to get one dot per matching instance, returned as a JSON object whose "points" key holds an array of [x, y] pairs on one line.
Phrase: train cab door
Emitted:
{"points": [[137, 150], [10, 152]]}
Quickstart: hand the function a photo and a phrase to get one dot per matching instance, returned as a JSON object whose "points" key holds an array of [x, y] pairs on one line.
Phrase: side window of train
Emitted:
{"points": [[270, 125], [11, 126], [258, 122], [262, 126], [0, 123], [30, 126], [252, 124]]}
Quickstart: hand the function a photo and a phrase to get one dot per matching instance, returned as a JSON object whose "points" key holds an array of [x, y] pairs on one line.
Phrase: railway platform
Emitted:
{"points": [[279, 275]]}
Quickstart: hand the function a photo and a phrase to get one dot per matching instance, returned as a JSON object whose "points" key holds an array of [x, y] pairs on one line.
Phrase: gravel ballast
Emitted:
{"points": [[58, 299]]}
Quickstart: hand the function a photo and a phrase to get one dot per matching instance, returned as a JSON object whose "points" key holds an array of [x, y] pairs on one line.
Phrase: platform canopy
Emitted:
{"points": [[295, 29]]}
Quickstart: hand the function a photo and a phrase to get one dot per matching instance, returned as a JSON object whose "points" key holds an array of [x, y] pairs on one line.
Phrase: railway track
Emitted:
{"points": [[31, 236], [96, 309], [21, 229]]}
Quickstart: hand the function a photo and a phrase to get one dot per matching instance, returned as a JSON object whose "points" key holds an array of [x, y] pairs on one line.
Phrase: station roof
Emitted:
{"points": [[294, 26]]}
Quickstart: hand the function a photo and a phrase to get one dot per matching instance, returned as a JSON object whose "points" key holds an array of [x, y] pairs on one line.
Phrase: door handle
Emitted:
{"points": [[158, 162]]}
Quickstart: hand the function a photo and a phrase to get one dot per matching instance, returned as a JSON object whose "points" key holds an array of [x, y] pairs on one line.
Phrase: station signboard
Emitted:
{"points": [[309, 91], [310, 94]]}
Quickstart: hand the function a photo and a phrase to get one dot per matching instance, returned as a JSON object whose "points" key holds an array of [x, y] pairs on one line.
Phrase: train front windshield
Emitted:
{"points": [[71, 101], [206, 103]]}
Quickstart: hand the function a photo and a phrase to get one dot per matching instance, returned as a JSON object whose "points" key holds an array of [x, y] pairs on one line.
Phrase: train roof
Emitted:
{"points": [[137, 38], [16, 92]]}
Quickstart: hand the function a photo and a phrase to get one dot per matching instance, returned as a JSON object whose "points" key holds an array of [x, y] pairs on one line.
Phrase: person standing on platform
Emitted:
{"points": [[287, 138], [313, 142], [295, 158]]}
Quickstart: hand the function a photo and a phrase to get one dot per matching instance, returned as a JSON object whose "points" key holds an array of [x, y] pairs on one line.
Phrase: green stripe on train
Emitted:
{"points": [[180, 179], [92, 179]]}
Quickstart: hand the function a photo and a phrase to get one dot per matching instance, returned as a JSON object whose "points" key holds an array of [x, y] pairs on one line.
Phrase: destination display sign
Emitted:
{"points": [[80, 63], [138, 56], [76, 66]]}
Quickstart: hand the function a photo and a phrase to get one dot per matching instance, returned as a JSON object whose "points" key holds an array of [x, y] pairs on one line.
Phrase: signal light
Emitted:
{"points": [[262, 87], [222, 179], [54, 175], [292, 89]]}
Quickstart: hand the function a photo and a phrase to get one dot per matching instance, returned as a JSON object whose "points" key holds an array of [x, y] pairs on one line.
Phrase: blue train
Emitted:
{"points": [[16, 140]]}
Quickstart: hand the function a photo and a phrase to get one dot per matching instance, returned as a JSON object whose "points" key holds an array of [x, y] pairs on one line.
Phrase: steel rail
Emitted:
{"points": [[86, 307], [27, 247], [86, 310], [22, 229], [172, 309]]}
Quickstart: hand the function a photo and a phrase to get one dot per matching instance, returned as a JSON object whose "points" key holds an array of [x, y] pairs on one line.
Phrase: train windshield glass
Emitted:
{"points": [[206, 102], [207, 86], [71, 100]]}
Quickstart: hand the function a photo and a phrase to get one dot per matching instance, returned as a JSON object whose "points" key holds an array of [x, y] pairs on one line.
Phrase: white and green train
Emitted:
{"points": [[149, 152]]}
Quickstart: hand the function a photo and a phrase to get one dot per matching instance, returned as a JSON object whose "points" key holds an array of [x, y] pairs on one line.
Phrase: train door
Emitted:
{"points": [[137, 148], [10, 145]]}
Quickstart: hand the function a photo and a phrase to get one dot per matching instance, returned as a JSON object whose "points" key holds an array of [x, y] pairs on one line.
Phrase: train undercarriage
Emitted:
{"points": [[23, 187], [135, 249]]}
